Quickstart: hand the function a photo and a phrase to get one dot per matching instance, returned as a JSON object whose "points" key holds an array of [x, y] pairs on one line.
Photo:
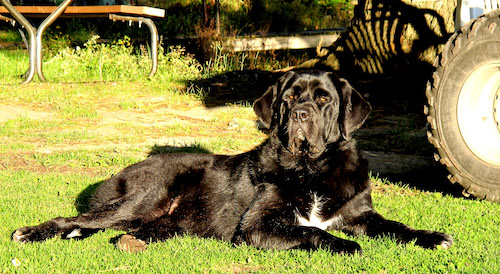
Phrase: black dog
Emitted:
{"points": [[306, 178]]}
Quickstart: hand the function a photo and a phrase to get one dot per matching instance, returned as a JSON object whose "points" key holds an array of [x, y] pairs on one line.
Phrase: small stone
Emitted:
{"points": [[129, 243]]}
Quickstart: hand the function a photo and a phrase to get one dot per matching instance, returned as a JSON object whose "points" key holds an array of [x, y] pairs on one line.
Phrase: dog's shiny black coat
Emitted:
{"points": [[308, 177]]}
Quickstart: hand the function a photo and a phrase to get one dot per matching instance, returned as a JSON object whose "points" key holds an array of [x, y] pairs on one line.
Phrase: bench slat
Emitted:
{"points": [[88, 11]]}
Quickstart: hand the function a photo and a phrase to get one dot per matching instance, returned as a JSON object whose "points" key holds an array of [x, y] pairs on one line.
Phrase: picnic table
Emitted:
{"points": [[51, 13]]}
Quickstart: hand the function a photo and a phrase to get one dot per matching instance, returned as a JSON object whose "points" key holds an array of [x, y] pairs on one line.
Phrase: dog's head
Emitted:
{"points": [[308, 110]]}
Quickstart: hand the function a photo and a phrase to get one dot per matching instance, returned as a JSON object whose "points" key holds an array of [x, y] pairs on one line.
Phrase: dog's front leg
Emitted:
{"points": [[270, 223], [373, 224]]}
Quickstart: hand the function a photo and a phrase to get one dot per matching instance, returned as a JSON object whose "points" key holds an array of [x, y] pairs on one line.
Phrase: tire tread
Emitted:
{"points": [[484, 24]]}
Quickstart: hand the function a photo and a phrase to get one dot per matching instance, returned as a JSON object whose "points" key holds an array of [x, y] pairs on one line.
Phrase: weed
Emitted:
{"points": [[10, 36], [207, 38], [99, 62], [198, 93], [176, 65], [220, 62]]}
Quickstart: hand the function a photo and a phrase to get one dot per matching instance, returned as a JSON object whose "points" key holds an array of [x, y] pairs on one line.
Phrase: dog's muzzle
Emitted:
{"points": [[304, 134]]}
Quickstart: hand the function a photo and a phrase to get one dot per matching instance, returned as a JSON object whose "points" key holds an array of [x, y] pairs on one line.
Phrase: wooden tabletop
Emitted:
{"points": [[87, 11]]}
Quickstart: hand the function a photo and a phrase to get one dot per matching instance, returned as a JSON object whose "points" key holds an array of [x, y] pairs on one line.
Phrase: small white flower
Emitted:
{"points": [[16, 262]]}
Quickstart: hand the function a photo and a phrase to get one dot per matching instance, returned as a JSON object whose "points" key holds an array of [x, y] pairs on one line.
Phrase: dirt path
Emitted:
{"points": [[8, 112]]}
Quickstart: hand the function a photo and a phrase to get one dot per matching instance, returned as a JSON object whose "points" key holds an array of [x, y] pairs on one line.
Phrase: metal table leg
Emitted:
{"points": [[154, 37], [35, 44], [31, 32], [43, 26]]}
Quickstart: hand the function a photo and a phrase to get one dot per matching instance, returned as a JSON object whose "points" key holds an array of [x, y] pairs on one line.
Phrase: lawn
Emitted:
{"points": [[59, 139]]}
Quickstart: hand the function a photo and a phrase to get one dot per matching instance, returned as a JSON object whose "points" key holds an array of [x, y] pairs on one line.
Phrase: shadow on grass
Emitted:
{"points": [[429, 176], [236, 86], [156, 150], [82, 202]]}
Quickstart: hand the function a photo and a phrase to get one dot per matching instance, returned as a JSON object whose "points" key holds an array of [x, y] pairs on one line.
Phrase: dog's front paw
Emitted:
{"points": [[341, 247], [37, 233], [28, 234], [433, 239]]}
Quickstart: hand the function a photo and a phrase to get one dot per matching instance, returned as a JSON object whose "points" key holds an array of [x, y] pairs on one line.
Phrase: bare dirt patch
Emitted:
{"points": [[8, 112], [24, 161], [158, 116]]}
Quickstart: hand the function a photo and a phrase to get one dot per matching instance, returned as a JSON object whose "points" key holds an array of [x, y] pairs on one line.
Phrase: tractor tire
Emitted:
{"points": [[463, 108]]}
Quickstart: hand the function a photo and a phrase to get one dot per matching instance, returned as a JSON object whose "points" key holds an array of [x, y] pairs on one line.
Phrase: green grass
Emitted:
{"points": [[28, 198], [91, 130]]}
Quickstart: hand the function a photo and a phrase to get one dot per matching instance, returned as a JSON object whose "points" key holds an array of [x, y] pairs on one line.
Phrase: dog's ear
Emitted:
{"points": [[263, 107], [355, 109]]}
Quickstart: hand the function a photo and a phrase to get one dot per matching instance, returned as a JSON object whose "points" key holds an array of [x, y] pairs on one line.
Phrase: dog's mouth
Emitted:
{"points": [[300, 145]]}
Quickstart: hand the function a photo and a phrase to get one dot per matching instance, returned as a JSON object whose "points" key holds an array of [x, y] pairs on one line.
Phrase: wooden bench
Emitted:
{"points": [[51, 13]]}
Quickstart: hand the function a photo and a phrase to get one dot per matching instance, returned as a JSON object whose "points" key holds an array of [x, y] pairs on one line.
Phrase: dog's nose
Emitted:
{"points": [[300, 115]]}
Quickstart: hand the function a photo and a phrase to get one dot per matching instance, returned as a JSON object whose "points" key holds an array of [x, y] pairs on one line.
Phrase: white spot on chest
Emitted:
{"points": [[315, 219]]}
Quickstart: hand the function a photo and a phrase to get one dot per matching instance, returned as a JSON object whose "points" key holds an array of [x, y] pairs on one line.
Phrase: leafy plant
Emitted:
{"points": [[10, 35]]}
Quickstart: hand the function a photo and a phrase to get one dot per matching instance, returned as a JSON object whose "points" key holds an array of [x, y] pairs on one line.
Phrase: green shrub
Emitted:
{"points": [[10, 35], [119, 61], [177, 65]]}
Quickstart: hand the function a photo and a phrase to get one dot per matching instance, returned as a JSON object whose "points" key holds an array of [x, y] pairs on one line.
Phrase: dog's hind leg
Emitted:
{"points": [[158, 230]]}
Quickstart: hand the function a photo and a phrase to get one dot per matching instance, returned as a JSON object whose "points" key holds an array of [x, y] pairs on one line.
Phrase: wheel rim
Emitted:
{"points": [[479, 112]]}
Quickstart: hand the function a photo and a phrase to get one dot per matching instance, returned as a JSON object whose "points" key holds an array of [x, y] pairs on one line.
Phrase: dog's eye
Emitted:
{"points": [[324, 99], [321, 96]]}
